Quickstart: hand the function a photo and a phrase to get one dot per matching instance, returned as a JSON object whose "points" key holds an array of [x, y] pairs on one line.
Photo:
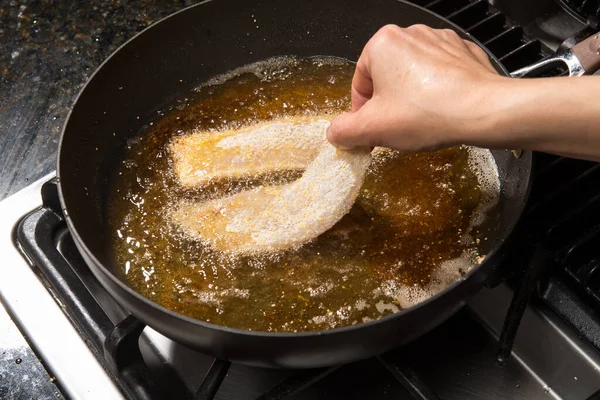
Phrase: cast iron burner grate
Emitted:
{"points": [[561, 225], [568, 190], [587, 11], [504, 39], [569, 240]]}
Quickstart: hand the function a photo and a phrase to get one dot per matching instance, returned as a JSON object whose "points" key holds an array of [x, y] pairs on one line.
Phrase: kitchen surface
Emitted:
{"points": [[49, 49]]}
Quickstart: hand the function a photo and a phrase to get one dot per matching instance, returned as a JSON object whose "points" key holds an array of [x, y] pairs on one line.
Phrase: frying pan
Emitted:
{"points": [[187, 48]]}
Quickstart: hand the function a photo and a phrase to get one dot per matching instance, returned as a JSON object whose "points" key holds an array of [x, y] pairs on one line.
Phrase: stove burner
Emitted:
{"points": [[488, 25], [586, 11], [571, 237]]}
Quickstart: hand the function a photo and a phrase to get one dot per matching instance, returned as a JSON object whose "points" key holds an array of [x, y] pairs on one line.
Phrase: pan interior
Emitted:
{"points": [[409, 235]]}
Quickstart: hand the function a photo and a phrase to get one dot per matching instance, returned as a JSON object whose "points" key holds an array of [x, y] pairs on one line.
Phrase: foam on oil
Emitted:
{"points": [[416, 227]]}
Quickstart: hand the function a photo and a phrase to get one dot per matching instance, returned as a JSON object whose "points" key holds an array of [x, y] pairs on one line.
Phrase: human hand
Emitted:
{"points": [[415, 89]]}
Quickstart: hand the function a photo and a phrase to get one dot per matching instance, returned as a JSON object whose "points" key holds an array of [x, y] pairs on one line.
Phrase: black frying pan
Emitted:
{"points": [[175, 55]]}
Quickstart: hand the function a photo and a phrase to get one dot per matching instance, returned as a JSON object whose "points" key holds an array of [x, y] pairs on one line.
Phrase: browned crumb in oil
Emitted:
{"points": [[411, 216]]}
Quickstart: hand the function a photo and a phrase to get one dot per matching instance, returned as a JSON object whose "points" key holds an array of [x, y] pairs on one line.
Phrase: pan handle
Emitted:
{"points": [[581, 59]]}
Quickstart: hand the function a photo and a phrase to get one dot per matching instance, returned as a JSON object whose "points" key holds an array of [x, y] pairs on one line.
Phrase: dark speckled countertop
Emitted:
{"points": [[48, 49]]}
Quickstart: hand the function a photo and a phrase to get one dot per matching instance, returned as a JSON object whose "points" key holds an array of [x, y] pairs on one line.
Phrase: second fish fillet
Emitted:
{"points": [[275, 146]]}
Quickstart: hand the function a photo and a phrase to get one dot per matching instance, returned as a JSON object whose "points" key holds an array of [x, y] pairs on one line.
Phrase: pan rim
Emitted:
{"points": [[81, 245]]}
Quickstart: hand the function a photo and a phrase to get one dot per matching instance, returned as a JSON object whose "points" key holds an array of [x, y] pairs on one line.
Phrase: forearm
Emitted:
{"points": [[418, 89], [554, 115]]}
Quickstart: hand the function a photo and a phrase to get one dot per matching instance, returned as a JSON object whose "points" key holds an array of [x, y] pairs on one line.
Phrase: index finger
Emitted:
{"points": [[362, 84]]}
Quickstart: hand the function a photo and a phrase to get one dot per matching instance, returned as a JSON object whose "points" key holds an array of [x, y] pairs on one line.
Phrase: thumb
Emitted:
{"points": [[349, 130]]}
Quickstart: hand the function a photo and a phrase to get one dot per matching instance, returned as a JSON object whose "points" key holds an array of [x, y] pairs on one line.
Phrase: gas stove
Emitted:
{"points": [[500, 346]]}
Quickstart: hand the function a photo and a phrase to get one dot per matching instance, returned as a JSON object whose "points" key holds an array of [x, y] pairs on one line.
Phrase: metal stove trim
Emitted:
{"points": [[566, 367], [39, 316]]}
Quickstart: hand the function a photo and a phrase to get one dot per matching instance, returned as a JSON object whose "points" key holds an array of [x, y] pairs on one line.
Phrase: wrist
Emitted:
{"points": [[532, 114], [500, 114]]}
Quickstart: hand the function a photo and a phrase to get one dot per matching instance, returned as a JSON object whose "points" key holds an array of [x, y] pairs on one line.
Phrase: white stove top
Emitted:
{"points": [[39, 316]]}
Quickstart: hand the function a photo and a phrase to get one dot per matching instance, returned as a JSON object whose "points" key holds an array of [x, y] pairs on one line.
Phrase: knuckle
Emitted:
{"points": [[480, 51], [389, 31], [476, 49], [472, 46], [452, 35], [449, 33], [418, 28], [384, 36]]}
